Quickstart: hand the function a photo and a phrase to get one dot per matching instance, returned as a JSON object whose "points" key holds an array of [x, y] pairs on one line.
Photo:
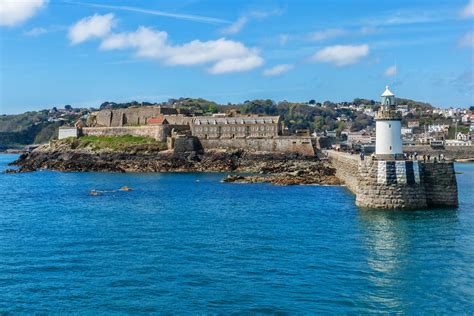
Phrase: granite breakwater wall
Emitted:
{"points": [[403, 184]]}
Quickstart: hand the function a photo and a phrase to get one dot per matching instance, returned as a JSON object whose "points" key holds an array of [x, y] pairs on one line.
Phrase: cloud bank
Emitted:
{"points": [[95, 26], [221, 55], [341, 55], [14, 12]]}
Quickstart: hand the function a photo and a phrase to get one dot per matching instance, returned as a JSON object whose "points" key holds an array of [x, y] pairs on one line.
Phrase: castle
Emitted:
{"points": [[175, 126], [389, 180]]}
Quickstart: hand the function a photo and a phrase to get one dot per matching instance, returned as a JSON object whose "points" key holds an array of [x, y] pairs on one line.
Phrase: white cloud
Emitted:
{"points": [[13, 12], [468, 10], [238, 64], [224, 56], [341, 55], [277, 70], [95, 26], [326, 34], [235, 27], [240, 23], [467, 40], [391, 71], [37, 31]]}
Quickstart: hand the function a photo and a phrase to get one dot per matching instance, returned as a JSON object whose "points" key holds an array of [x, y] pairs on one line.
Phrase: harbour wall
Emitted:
{"points": [[401, 184], [449, 152], [347, 168], [301, 145]]}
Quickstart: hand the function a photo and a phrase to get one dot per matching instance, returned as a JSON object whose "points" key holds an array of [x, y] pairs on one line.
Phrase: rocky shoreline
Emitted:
{"points": [[276, 168]]}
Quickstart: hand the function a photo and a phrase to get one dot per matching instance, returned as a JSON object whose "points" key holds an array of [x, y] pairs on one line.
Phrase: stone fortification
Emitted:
{"points": [[302, 145], [132, 116], [400, 184], [157, 132], [449, 152]]}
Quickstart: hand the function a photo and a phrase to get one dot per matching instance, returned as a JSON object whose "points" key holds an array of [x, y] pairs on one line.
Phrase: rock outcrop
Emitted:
{"points": [[276, 168]]}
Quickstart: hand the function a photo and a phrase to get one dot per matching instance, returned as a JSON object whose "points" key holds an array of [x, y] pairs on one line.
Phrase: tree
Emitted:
{"points": [[68, 107], [312, 102]]}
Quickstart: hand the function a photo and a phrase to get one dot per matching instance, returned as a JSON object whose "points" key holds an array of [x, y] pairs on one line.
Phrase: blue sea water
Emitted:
{"points": [[187, 243]]}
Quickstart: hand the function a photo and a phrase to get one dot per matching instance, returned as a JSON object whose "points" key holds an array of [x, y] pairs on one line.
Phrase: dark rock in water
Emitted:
{"points": [[277, 168]]}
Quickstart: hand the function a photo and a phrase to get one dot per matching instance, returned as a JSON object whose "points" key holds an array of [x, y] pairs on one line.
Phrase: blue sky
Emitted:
{"points": [[83, 53]]}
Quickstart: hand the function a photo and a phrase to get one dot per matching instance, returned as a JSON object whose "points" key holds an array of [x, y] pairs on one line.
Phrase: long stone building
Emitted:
{"points": [[211, 127]]}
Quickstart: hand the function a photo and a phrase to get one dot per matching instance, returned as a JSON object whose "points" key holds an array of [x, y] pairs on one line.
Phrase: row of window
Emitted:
{"points": [[235, 129]]}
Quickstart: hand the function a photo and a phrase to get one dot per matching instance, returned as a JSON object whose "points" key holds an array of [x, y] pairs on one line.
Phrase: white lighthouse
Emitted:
{"points": [[388, 144]]}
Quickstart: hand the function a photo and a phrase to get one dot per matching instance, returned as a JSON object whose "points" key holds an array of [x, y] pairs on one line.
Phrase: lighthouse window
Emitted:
{"points": [[389, 125], [390, 147]]}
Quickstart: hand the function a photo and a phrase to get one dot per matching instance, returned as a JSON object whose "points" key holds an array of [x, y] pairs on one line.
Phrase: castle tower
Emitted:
{"points": [[388, 144]]}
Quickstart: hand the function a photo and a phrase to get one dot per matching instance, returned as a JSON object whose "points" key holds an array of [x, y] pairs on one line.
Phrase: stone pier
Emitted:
{"points": [[397, 184]]}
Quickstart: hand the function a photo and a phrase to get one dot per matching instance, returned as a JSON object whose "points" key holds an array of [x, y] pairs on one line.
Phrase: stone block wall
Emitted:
{"points": [[385, 186], [130, 116], [65, 132], [347, 168], [157, 132], [440, 184], [401, 184], [300, 145]]}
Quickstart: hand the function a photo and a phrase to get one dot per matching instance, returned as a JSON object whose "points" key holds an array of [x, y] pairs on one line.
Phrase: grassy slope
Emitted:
{"points": [[116, 143]]}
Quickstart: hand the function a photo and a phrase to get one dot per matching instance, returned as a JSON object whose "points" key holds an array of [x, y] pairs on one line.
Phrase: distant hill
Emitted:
{"points": [[41, 126]]}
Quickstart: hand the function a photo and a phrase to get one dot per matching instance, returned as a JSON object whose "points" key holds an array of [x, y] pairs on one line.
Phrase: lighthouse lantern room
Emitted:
{"points": [[388, 144]]}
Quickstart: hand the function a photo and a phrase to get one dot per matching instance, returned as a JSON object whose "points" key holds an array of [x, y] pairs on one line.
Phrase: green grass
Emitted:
{"points": [[110, 142]]}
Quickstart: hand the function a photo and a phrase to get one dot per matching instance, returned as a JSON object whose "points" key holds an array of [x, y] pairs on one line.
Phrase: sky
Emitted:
{"points": [[83, 53]]}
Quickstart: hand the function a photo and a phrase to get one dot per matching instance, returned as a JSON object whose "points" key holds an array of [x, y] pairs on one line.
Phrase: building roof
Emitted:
{"points": [[387, 92], [211, 120], [157, 120]]}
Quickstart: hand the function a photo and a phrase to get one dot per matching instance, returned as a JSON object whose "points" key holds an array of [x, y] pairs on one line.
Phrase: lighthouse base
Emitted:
{"points": [[397, 184]]}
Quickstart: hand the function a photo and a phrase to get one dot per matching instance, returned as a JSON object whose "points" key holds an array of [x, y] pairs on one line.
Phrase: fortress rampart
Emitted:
{"points": [[302, 145], [400, 184], [156, 132]]}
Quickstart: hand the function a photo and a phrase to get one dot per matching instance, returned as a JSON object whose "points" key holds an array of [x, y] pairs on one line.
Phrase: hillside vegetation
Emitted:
{"points": [[37, 127]]}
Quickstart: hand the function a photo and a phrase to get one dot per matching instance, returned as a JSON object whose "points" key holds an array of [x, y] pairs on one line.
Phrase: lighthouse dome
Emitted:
{"points": [[387, 93]]}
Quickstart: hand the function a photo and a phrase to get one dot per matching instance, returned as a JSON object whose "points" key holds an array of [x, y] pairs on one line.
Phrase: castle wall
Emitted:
{"points": [[300, 145], [65, 132], [130, 116], [158, 132]]}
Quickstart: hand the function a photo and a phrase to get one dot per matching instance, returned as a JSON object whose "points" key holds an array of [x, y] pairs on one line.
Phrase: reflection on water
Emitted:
{"points": [[400, 247]]}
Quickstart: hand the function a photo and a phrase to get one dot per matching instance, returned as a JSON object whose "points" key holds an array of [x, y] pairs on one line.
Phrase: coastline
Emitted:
{"points": [[256, 167]]}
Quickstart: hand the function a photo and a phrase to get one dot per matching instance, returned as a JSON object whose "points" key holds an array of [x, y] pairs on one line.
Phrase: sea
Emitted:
{"points": [[186, 243]]}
